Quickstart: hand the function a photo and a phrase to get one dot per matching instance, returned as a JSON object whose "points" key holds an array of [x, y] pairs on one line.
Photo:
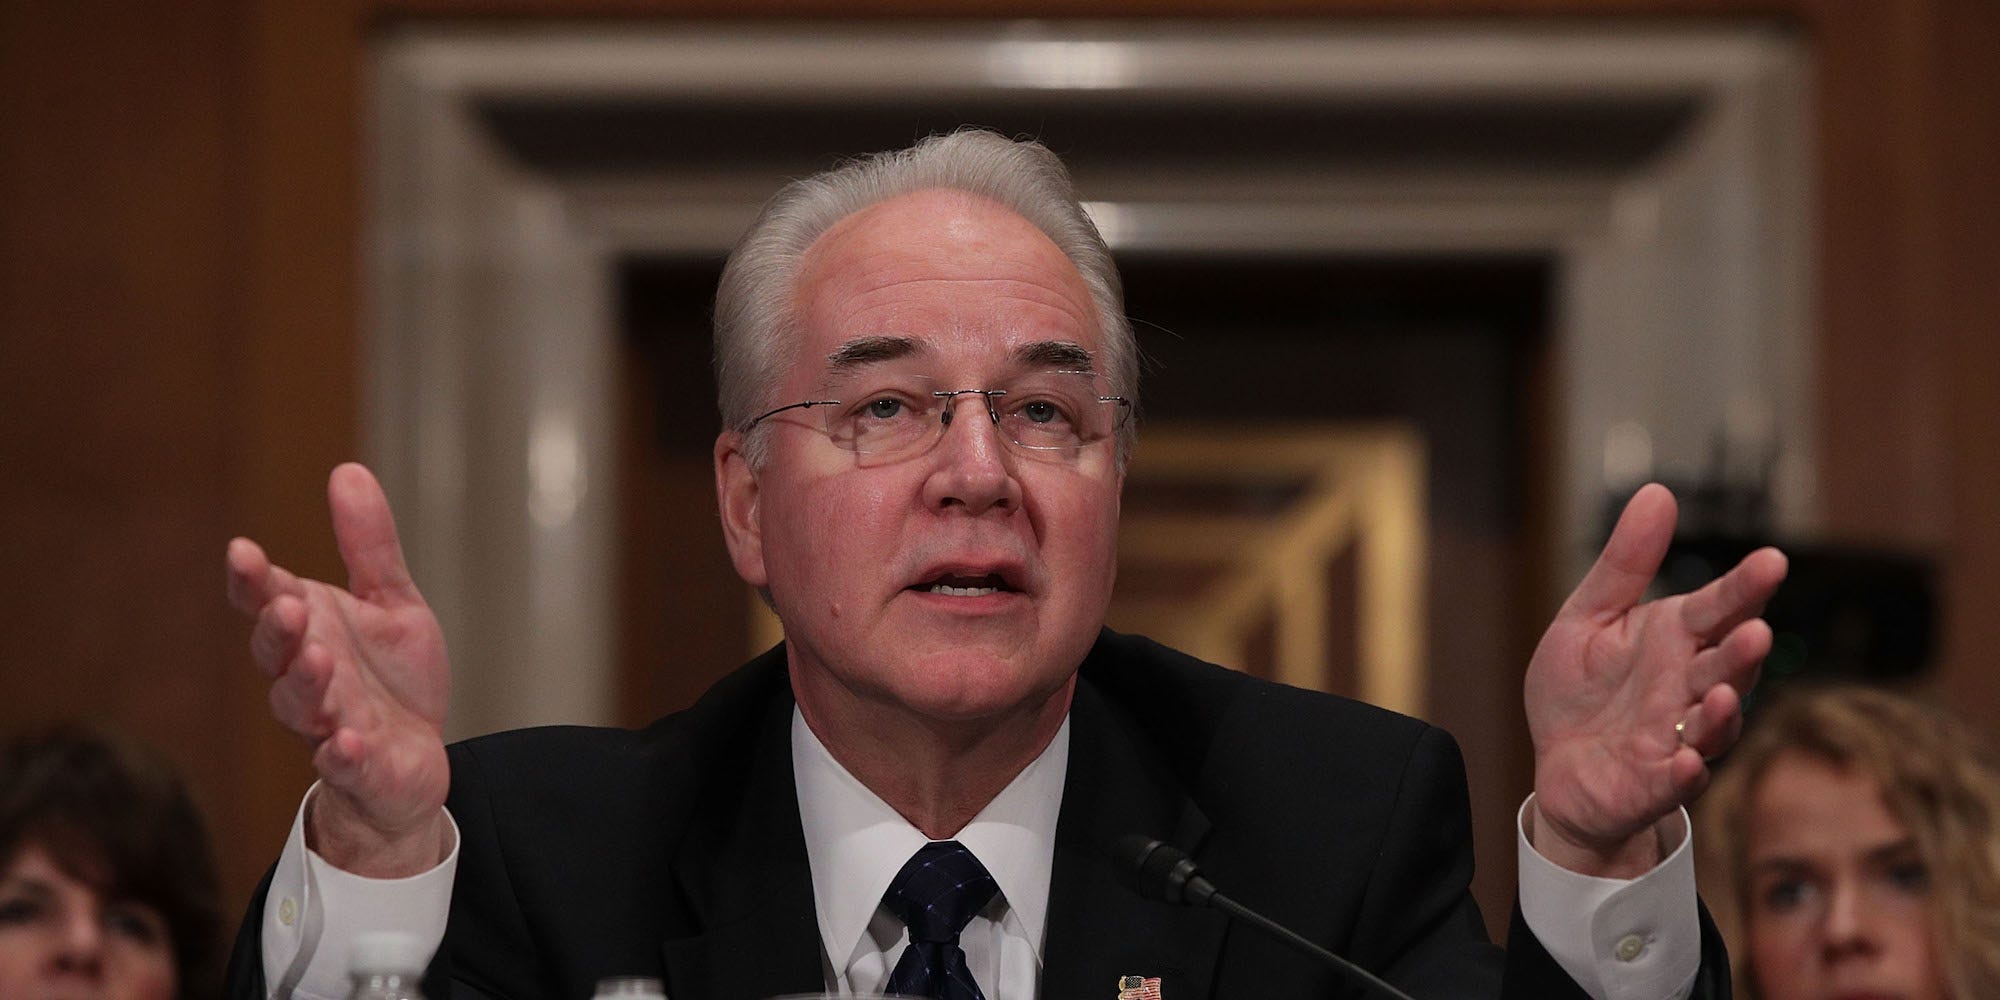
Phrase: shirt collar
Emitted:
{"points": [[856, 843]]}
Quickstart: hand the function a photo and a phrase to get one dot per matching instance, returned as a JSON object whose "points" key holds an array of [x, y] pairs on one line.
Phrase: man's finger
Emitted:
{"points": [[299, 698], [1736, 596], [341, 759], [1631, 558], [252, 579], [1712, 724], [274, 642], [365, 530], [1733, 661]]}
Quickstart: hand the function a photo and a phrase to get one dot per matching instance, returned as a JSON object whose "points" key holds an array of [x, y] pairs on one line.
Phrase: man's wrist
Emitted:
{"points": [[1624, 859], [338, 834]]}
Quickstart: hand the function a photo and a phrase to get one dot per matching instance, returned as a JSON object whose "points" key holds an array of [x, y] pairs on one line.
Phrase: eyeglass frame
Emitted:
{"points": [[946, 411]]}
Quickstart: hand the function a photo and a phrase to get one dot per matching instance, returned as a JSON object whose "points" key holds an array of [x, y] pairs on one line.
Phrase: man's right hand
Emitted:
{"points": [[361, 675]]}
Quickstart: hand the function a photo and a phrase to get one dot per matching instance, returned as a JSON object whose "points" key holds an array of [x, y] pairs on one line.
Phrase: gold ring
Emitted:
{"points": [[1680, 731]]}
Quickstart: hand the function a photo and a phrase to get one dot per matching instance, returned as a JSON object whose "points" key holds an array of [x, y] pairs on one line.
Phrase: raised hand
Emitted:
{"points": [[1627, 700], [361, 675]]}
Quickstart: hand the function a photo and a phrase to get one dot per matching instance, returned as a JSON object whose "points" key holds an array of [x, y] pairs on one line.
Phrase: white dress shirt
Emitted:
{"points": [[857, 843], [1620, 939]]}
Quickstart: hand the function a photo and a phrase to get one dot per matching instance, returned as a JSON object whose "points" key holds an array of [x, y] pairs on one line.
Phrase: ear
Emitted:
{"points": [[736, 496]]}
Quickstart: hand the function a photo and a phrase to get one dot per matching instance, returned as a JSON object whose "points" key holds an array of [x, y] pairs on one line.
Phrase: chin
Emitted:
{"points": [[959, 687]]}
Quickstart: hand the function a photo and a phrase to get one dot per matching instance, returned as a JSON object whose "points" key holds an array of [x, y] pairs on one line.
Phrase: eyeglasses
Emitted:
{"points": [[890, 415]]}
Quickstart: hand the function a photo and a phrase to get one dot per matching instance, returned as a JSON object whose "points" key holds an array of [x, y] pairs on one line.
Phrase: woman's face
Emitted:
{"points": [[1839, 902], [60, 938]]}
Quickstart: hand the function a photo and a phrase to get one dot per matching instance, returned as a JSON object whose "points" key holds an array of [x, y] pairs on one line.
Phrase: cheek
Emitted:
{"points": [[1083, 527], [1916, 954], [19, 956], [828, 529], [137, 973], [1778, 948]]}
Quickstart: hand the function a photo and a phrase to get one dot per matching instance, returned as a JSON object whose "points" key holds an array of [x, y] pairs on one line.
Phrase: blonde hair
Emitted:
{"points": [[1937, 779]]}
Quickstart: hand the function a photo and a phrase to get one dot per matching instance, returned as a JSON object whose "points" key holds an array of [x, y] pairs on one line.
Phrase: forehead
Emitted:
{"points": [[965, 279], [1804, 803], [33, 862]]}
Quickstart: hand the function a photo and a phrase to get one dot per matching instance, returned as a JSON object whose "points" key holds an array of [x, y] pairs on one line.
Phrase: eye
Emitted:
{"points": [[884, 408], [1785, 894], [1042, 411], [136, 922], [18, 910], [1911, 876]]}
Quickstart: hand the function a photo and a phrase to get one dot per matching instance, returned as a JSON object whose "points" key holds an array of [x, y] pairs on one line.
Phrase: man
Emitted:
{"points": [[926, 383]]}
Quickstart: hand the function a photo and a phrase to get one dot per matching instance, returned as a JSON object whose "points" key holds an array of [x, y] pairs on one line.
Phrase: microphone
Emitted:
{"points": [[1164, 872]]}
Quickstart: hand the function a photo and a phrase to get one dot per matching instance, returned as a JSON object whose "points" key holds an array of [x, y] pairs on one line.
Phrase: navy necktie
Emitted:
{"points": [[938, 891]]}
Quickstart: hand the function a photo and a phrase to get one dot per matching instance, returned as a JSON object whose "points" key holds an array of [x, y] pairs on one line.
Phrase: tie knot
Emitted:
{"points": [[939, 890]]}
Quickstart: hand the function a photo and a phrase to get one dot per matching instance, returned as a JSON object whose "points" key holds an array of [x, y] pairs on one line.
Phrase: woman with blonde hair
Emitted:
{"points": [[1855, 837]]}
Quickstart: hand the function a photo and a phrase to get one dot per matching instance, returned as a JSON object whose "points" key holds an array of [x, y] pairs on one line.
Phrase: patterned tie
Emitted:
{"points": [[935, 895]]}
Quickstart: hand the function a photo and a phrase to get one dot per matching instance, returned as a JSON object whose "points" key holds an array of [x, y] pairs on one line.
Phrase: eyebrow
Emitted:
{"points": [[1878, 854], [27, 885], [1062, 354], [1895, 850], [869, 350]]}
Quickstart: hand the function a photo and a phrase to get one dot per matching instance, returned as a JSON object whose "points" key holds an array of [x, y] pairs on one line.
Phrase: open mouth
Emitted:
{"points": [[957, 585]]}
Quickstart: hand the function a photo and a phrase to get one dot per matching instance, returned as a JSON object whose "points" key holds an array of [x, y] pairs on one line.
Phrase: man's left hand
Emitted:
{"points": [[1627, 701]]}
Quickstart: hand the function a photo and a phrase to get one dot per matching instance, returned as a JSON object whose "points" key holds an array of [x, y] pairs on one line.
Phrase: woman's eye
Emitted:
{"points": [[16, 911], [133, 922], [1785, 894], [1910, 876]]}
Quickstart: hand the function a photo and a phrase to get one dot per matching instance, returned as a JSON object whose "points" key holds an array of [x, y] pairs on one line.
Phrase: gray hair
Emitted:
{"points": [[754, 316]]}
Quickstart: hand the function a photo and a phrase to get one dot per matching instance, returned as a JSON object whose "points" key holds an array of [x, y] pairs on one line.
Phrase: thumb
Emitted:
{"points": [[365, 531], [1631, 557]]}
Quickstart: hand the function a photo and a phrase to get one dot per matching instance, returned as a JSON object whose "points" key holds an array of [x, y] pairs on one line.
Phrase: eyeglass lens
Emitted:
{"points": [[885, 413]]}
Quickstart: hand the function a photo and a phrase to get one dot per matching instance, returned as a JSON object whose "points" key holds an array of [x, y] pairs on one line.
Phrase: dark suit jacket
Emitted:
{"points": [[676, 850]]}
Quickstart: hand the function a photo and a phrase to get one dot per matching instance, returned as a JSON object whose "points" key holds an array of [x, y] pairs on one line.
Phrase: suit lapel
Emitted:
{"points": [[1098, 929], [744, 874]]}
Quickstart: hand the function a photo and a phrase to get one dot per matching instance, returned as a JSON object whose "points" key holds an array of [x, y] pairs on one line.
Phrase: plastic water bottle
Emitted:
{"points": [[386, 965], [631, 988]]}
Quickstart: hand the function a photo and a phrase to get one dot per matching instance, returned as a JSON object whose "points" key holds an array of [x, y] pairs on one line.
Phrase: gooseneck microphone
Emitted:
{"points": [[1163, 872]]}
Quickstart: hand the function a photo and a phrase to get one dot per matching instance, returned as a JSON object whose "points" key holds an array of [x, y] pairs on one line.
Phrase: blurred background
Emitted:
{"points": [[1426, 287]]}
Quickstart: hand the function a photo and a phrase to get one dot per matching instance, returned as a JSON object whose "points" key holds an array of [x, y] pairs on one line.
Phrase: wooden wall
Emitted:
{"points": [[179, 206]]}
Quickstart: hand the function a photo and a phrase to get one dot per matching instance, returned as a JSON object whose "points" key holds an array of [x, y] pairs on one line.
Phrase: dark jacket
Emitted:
{"points": [[676, 851]]}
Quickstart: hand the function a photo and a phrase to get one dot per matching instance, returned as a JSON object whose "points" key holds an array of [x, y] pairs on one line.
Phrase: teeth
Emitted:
{"points": [[951, 591]]}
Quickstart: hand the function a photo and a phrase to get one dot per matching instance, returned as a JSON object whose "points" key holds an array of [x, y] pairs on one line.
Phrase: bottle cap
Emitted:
{"points": [[631, 988], [381, 952]]}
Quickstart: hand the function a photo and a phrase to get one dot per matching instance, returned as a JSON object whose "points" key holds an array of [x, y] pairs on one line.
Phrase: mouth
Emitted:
{"points": [[968, 583]]}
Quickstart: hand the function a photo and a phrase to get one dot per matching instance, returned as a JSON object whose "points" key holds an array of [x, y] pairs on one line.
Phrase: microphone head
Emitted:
{"points": [[1154, 870]]}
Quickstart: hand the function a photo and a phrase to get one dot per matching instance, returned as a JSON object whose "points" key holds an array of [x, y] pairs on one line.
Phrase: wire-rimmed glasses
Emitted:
{"points": [[890, 415]]}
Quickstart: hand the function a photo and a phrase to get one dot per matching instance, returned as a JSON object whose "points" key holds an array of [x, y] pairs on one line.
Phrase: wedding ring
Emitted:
{"points": [[1680, 731]]}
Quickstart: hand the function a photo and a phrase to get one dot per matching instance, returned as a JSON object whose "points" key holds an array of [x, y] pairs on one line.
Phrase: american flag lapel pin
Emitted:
{"points": [[1138, 988]]}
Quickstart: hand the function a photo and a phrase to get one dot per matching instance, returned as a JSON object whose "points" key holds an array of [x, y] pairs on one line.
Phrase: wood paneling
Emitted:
{"points": [[1969, 81], [117, 317]]}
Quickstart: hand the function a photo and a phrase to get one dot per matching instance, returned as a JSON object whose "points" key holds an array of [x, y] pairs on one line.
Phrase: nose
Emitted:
{"points": [[972, 467], [1849, 924], [80, 943]]}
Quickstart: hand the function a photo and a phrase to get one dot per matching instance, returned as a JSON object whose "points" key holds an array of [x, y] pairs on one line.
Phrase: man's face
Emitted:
{"points": [[967, 580]]}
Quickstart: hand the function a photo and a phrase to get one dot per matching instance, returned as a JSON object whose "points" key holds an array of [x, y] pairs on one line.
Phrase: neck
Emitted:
{"points": [[936, 773]]}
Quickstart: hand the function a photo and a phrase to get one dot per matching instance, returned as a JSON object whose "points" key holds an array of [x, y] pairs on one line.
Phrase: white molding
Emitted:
{"points": [[1683, 304]]}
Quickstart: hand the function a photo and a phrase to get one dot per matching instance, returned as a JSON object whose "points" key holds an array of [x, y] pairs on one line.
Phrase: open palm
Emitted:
{"points": [[360, 674], [1627, 700]]}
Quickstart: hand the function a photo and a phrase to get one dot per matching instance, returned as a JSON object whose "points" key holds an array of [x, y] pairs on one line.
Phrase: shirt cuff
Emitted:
{"points": [[1620, 939], [314, 910]]}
